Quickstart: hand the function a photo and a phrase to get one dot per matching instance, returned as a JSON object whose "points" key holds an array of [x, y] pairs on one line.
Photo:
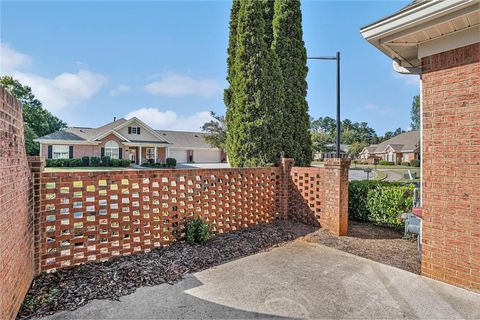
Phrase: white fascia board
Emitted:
{"points": [[144, 125], [69, 142], [449, 42], [111, 132], [146, 144]]}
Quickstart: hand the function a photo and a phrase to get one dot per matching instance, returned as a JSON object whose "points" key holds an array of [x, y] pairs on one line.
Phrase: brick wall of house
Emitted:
{"points": [[451, 166], [87, 216], [16, 212]]}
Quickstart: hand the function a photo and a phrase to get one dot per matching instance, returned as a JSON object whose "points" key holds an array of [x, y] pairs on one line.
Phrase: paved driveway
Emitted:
{"points": [[300, 280]]}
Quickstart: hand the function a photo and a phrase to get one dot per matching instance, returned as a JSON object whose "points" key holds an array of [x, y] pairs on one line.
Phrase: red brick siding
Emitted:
{"points": [[97, 215], [16, 211], [451, 167]]}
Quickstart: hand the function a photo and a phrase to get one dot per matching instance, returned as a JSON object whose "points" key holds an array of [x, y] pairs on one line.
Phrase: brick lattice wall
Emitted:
{"points": [[16, 212], [93, 216], [88, 216], [451, 166]]}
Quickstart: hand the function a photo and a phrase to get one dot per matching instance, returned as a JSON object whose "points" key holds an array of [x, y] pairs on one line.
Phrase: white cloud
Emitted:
{"points": [[375, 108], [172, 84], [57, 92], [169, 120], [11, 59], [119, 89]]}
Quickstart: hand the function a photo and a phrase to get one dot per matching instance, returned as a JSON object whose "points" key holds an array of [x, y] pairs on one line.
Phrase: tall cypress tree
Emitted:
{"points": [[290, 50], [254, 114]]}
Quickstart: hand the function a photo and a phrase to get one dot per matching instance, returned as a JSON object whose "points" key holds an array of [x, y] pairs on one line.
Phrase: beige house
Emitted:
{"points": [[129, 139], [404, 147]]}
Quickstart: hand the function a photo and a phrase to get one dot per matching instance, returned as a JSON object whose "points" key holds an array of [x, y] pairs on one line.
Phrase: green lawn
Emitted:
{"points": [[379, 175], [352, 165], [81, 169]]}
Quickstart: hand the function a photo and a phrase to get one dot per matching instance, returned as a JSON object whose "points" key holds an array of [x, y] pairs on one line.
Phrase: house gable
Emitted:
{"points": [[135, 130]]}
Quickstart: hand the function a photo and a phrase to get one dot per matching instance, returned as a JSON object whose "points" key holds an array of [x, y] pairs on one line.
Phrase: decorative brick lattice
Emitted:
{"points": [[306, 195], [94, 216]]}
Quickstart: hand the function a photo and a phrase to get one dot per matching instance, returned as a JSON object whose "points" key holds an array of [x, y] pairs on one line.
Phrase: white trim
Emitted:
{"points": [[111, 132], [449, 42], [146, 144], [194, 148], [70, 142], [135, 119]]}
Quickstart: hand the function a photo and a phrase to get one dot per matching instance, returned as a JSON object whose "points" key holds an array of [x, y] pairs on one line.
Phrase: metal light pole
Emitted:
{"points": [[337, 58]]}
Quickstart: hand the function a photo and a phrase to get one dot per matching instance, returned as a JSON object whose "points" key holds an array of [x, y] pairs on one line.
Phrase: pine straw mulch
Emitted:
{"points": [[70, 288], [378, 243]]}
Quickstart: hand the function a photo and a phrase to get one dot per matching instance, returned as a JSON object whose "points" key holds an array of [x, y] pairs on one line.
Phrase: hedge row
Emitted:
{"points": [[169, 163], [379, 201], [88, 162]]}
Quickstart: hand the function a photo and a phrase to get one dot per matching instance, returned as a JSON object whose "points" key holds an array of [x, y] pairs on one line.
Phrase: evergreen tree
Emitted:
{"points": [[254, 104], [415, 113], [290, 49]]}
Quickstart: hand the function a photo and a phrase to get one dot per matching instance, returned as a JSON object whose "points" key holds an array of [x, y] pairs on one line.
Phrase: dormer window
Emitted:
{"points": [[133, 130]]}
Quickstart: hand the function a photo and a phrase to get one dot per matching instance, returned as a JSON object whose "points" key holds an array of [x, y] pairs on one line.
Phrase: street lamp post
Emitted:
{"points": [[337, 58]]}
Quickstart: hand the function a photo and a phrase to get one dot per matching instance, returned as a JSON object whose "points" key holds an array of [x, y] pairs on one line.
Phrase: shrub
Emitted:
{"points": [[198, 231], [115, 162], [85, 161], [94, 162], [105, 160], [171, 162], [75, 162], [379, 201], [406, 164], [386, 163], [415, 163], [125, 163]]}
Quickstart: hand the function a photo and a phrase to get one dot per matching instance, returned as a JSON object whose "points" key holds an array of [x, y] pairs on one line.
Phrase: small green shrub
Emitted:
{"points": [[386, 163], [415, 163], [379, 201], [95, 162], [406, 164], [85, 161], [125, 163], [105, 160], [171, 162], [198, 231], [115, 162]]}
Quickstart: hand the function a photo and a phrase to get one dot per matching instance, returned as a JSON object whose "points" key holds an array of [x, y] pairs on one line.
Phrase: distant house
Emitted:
{"points": [[129, 139], [404, 147], [332, 153]]}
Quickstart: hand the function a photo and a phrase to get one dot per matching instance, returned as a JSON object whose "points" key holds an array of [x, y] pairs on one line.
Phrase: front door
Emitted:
{"points": [[133, 155]]}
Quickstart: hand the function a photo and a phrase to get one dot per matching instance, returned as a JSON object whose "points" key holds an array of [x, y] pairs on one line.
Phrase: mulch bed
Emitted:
{"points": [[378, 243], [70, 288]]}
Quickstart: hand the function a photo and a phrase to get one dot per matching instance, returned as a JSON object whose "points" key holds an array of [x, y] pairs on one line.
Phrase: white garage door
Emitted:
{"points": [[206, 156], [179, 154]]}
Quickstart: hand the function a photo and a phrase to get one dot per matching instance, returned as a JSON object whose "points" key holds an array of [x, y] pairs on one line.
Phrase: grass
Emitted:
{"points": [[79, 169], [358, 165]]}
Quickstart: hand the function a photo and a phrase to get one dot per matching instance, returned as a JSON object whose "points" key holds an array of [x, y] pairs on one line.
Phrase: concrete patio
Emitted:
{"points": [[299, 280]]}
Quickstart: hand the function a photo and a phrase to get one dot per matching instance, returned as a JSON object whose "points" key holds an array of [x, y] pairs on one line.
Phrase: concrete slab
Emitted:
{"points": [[300, 280]]}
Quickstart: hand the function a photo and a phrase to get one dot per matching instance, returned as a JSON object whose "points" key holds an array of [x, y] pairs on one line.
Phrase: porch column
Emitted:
{"points": [[155, 154]]}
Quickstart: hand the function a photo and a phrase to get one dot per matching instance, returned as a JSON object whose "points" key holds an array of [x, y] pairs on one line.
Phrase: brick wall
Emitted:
{"points": [[451, 166], [87, 216], [16, 213]]}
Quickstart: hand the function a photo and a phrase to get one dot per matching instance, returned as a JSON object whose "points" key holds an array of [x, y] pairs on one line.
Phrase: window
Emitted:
{"points": [[406, 157], [60, 152], [112, 150], [150, 153], [133, 130]]}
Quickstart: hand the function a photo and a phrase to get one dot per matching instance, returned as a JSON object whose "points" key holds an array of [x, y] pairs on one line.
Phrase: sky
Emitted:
{"points": [[165, 62]]}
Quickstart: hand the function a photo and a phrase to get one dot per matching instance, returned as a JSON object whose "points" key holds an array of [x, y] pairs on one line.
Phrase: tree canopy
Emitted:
{"points": [[37, 120], [216, 130], [415, 113]]}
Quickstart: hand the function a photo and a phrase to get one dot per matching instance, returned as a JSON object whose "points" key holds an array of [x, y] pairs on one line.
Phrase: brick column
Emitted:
{"points": [[286, 165], [335, 215], [37, 166]]}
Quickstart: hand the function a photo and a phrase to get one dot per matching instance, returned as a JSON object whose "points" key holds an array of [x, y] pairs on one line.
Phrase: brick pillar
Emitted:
{"points": [[286, 165], [37, 166], [335, 215]]}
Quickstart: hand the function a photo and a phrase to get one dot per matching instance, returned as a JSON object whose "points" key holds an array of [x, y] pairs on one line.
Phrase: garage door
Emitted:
{"points": [[206, 156], [180, 155]]}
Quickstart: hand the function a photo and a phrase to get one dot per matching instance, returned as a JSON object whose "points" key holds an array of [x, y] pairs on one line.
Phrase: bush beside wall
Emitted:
{"points": [[379, 201], [88, 162], [386, 163]]}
